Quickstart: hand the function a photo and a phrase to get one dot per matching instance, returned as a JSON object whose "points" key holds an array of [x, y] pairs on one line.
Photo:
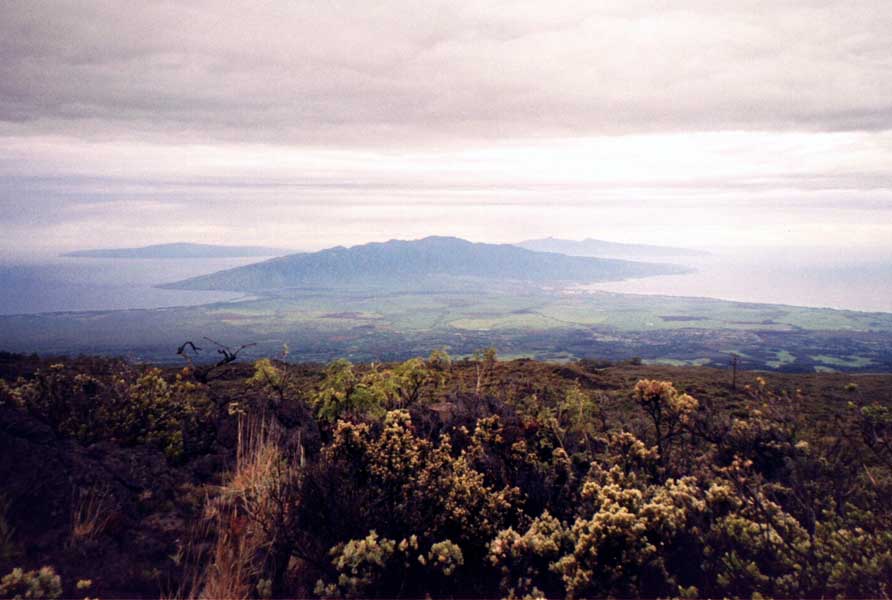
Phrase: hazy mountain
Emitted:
{"points": [[180, 250], [399, 261], [600, 248]]}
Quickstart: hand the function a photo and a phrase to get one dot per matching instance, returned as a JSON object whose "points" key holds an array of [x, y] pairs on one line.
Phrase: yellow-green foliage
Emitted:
{"points": [[129, 406], [425, 485], [274, 380], [163, 414], [42, 583], [623, 539], [360, 564], [876, 429], [727, 520], [408, 379], [7, 394], [440, 364], [363, 564], [669, 411], [572, 421], [524, 479], [605, 554], [444, 557], [267, 374], [70, 402], [855, 555], [346, 393], [529, 560]]}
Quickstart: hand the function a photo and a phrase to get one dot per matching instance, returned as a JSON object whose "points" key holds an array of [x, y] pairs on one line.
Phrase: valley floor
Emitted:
{"points": [[555, 324]]}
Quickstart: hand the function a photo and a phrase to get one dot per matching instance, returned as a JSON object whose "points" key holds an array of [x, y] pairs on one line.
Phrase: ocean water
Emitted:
{"points": [[832, 278], [82, 284]]}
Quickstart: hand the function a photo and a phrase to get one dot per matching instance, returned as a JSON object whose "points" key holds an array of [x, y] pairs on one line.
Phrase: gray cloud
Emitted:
{"points": [[306, 124], [373, 73]]}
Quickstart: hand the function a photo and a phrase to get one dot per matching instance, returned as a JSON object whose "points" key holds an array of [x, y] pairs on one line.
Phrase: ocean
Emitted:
{"points": [[85, 284], [831, 278], [837, 278]]}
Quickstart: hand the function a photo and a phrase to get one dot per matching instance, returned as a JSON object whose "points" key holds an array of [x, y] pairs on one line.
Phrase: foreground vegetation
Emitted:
{"points": [[470, 478]]}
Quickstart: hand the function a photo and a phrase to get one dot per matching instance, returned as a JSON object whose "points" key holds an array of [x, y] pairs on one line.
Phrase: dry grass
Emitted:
{"points": [[232, 567], [245, 517], [90, 514], [8, 547]]}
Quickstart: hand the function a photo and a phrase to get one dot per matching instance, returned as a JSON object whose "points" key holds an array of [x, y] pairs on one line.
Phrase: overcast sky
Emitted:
{"points": [[308, 124]]}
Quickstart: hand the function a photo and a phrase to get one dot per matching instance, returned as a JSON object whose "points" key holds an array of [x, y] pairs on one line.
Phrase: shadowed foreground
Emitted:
{"points": [[472, 478]]}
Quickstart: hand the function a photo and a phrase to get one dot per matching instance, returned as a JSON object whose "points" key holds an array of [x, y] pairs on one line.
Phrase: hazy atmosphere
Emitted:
{"points": [[309, 124], [459, 299]]}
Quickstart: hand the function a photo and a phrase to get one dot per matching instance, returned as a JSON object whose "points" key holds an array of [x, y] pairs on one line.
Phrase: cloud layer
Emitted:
{"points": [[373, 73], [311, 123]]}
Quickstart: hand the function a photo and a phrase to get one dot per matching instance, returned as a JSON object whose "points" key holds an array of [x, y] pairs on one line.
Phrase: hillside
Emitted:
{"points": [[179, 250], [441, 478], [601, 248], [399, 261]]}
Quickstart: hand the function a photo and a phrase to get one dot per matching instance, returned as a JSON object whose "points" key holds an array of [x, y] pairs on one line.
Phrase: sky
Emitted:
{"points": [[307, 124]]}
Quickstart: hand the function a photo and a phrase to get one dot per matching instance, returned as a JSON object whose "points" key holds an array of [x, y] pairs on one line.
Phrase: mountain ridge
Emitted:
{"points": [[592, 247], [415, 260], [180, 250]]}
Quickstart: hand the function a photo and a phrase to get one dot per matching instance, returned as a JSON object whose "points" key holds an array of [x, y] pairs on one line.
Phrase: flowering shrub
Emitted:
{"points": [[528, 561], [42, 583], [374, 563], [507, 484], [360, 564], [128, 406], [173, 416], [669, 411], [445, 557]]}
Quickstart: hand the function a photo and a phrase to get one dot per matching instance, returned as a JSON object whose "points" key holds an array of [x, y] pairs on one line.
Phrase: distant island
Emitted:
{"points": [[600, 248], [400, 262], [180, 250]]}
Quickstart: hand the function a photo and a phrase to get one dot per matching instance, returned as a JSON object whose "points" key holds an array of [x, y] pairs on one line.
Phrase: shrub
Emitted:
{"points": [[343, 394], [669, 411], [383, 567], [42, 583], [174, 416], [128, 406]]}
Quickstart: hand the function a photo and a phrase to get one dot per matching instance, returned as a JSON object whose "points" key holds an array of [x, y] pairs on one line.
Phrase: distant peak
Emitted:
{"points": [[179, 250], [405, 261], [431, 239], [442, 238]]}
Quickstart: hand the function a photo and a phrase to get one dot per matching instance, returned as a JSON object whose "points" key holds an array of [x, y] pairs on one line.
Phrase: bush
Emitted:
{"points": [[128, 406], [42, 583], [523, 479]]}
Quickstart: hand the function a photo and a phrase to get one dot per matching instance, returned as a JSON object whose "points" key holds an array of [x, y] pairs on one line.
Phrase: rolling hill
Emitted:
{"points": [[601, 248], [401, 262], [180, 250]]}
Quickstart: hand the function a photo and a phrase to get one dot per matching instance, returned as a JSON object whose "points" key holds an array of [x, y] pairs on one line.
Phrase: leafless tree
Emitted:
{"points": [[227, 355]]}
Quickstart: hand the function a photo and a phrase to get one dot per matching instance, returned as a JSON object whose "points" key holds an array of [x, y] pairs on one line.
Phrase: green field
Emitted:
{"points": [[843, 361], [385, 323]]}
